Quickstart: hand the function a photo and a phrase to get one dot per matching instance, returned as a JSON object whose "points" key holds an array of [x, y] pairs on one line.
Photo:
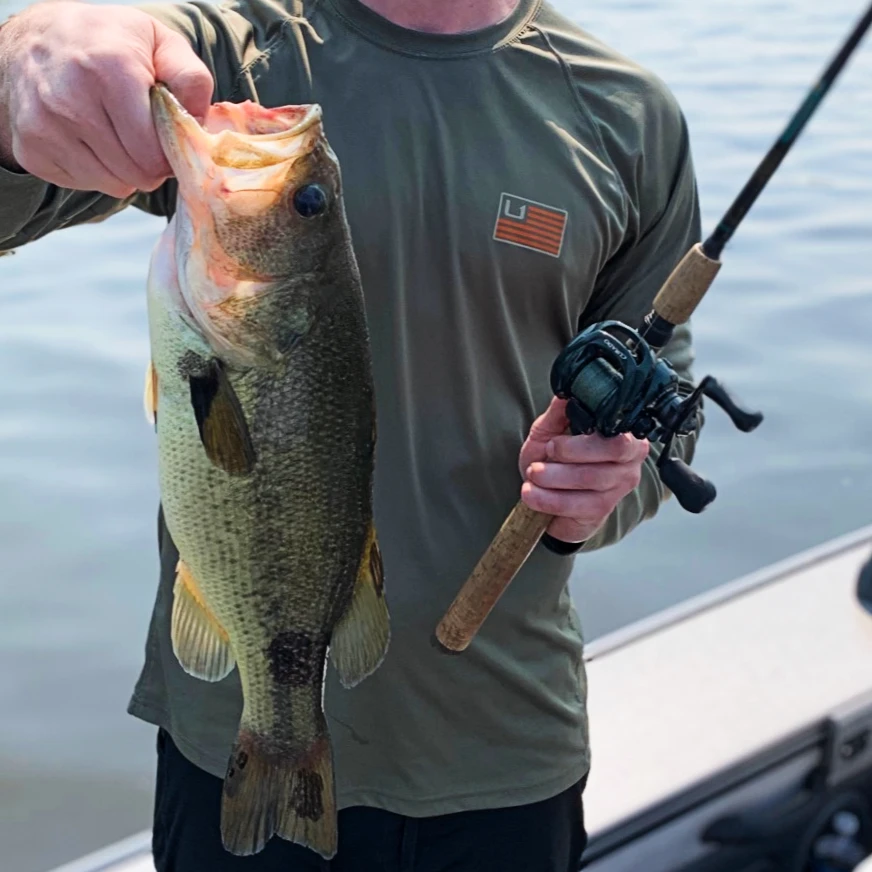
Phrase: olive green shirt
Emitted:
{"points": [[503, 187]]}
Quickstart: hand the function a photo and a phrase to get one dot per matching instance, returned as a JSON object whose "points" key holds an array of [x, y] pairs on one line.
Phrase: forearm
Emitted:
{"points": [[31, 208]]}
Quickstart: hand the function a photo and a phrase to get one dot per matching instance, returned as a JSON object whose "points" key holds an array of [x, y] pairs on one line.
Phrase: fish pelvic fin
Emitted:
{"points": [[360, 638], [200, 643], [221, 421], [268, 793], [150, 395]]}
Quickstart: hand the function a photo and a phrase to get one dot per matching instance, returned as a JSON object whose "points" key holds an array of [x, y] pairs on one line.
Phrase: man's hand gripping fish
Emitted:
{"points": [[261, 387]]}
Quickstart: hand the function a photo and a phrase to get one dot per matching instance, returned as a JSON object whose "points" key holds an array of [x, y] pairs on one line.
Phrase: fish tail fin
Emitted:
{"points": [[268, 793]]}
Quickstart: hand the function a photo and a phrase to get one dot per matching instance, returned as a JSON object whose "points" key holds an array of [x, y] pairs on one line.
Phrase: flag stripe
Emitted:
{"points": [[528, 237], [555, 218], [545, 232], [526, 231], [530, 242], [539, 236]]}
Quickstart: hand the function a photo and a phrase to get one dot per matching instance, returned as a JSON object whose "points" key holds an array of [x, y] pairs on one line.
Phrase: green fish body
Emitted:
{"points": [[261, 387]]}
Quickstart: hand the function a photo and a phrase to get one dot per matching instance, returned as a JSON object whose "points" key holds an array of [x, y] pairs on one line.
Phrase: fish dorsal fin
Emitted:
{"points": [[200, 643], [221, 421], [360, 638]]}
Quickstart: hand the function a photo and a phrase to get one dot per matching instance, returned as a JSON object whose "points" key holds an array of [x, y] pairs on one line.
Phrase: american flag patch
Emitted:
{"points": [[529, 224]]}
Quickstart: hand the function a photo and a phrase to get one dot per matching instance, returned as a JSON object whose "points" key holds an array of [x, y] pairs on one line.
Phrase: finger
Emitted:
{"points": [[584, 476], [179, 68], [129, 116], [84, 171], [567, 530], [623, 448], [93, 166], [552, 422], [42, 168], [581, 506], [106, 145]]}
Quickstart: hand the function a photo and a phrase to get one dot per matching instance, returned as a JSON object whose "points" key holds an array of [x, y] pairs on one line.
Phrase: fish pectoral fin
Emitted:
{"points": [[150, 397], [360, 638], [200, 643], [221, 421], [267, 794]]}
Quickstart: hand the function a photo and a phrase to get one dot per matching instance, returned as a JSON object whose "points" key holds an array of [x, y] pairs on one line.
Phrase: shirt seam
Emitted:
{"points": [[507, 42], [585, 112]]}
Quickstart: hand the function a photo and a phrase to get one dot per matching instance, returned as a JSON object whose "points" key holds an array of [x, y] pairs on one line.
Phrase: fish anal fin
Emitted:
{"points": [[150, 396], [221, 421], [200, 643], [273, 793], [361, 636]]}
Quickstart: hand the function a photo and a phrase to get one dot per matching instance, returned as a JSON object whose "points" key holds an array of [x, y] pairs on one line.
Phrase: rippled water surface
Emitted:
{"points": [[787, 328]]}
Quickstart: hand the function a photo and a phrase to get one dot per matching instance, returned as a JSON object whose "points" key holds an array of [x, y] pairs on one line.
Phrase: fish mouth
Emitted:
{"points": [[236, 136]]}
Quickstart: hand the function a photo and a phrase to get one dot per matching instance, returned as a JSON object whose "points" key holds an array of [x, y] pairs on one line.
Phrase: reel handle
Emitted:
{"points": [[693, 492], [742, 419]]}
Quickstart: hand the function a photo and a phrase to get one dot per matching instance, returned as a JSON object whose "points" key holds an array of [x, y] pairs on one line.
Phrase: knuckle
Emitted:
{"points": [[586, 477], [634, 477], [626, 448], [152, 162], [561, 448], [544, 501], [106, 62], [31, 126], [193, 78], [60, 101], [601, 505]]}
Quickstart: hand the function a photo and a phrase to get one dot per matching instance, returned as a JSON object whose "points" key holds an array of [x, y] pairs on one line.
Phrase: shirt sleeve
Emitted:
{"points": [[665, 224], [30, 208]]}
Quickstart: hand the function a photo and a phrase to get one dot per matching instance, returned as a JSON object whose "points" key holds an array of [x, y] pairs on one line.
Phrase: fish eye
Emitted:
{"points": [[310, 200]]}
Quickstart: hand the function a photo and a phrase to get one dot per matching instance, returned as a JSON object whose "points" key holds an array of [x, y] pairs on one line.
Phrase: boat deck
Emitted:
{"points": [[694, 690]]}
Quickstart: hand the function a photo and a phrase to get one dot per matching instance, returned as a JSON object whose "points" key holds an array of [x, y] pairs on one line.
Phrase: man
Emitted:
{"points": [[446, 116]]}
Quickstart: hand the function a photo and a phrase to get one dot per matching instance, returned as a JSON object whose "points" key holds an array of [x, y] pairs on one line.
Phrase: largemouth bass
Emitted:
{"points": [[261, 389]]}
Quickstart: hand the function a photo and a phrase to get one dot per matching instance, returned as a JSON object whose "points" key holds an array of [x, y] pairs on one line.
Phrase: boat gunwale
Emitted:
{"points": [[106, 859], [726, 592]]}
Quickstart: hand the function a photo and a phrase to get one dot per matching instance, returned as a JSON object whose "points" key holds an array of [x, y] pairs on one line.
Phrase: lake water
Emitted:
{"points": [[786, 327]]}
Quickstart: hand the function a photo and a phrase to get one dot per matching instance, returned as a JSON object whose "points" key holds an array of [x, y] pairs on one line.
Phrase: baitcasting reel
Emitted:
{"points": [[615, 383]]}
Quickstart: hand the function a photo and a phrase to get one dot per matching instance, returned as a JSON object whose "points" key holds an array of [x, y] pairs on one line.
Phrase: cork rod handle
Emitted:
{"points": [[498, 566], [686, 286]]}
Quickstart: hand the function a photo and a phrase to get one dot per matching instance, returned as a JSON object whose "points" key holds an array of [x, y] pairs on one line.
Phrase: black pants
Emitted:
{"points": [[547, 836]]}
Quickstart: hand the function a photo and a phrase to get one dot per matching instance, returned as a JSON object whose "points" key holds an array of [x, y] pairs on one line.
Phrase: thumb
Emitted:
{"points": [[552, 422], [178, 67]]}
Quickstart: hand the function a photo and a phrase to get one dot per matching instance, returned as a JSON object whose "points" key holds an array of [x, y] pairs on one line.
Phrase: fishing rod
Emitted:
{"points": [[615, 382]]}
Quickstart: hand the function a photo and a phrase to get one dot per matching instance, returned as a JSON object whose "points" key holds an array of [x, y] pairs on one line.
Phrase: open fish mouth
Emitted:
{"points": [[233, 135]]}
